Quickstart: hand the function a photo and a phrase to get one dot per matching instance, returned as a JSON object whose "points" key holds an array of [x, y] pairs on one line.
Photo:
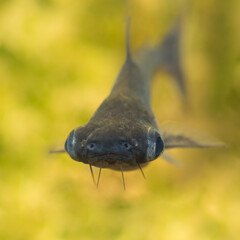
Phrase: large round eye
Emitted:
{"points": [[159, 146], [155, 144], [70, 144]]}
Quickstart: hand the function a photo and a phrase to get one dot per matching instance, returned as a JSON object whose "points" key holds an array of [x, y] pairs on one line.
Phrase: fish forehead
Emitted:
{"points": [[111, 132], [117, 114], [120, 105]]}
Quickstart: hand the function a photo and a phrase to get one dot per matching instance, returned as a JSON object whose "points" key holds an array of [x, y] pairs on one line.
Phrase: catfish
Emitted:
{"points": [[123, 133]]}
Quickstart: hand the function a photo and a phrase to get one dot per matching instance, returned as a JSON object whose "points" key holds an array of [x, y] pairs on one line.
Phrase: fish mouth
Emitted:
{"points": [[112, 159]]}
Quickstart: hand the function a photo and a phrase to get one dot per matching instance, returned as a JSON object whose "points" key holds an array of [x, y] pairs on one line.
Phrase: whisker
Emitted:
{"points": [[99, 176], [92, 174], [123, 179], [141, 170]]}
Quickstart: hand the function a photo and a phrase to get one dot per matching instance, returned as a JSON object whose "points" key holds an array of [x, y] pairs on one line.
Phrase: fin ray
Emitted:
{"points": [[167, 157], [182, 137]]}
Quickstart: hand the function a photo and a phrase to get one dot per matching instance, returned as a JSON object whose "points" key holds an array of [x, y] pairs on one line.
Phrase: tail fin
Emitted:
{"points": [[170, 58], [165, 55]]}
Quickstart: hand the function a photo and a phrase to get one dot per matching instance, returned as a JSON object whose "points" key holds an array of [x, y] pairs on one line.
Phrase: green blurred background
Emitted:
{"points": [[58, 61]]}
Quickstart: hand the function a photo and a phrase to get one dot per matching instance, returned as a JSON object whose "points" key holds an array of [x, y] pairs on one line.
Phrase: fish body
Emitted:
{"points": [[123, 133]]}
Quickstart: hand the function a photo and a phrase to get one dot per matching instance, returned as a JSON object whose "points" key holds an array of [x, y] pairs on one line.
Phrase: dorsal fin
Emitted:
{"points": [[128, 48]]}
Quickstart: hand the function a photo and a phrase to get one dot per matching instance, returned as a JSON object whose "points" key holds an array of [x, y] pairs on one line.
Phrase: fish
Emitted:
{"points": [[123, 134]]}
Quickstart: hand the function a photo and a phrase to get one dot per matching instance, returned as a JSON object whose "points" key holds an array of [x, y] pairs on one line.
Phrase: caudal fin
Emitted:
{"points": [[166, 55], [170, 56]]}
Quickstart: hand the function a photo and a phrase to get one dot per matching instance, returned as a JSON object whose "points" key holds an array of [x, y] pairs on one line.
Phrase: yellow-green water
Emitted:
{"points": [[58, 61]]}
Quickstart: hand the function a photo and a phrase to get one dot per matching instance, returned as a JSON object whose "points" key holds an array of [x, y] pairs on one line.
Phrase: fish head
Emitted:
{"points": [[114, 147]]}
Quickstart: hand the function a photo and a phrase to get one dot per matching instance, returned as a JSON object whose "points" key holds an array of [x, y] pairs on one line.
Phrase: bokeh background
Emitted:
{"points": [[58, 61]]}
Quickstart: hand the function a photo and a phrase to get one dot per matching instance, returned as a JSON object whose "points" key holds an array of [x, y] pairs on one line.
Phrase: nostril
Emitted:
{"points": [[126, 145], [91, 146]]}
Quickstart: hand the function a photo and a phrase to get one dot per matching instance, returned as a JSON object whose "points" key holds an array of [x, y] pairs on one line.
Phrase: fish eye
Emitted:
{"points": [[155, 144], [70, 144], [65, 146], [159, 146]]}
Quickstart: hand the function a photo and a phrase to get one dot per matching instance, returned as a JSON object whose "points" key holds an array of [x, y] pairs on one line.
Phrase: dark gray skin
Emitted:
{"points": [[123, 133]]}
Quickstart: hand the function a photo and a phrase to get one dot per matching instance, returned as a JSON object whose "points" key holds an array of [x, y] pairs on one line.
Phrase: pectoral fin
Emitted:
{"points": [[180, 137], [56, 151], [167, 157]]}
